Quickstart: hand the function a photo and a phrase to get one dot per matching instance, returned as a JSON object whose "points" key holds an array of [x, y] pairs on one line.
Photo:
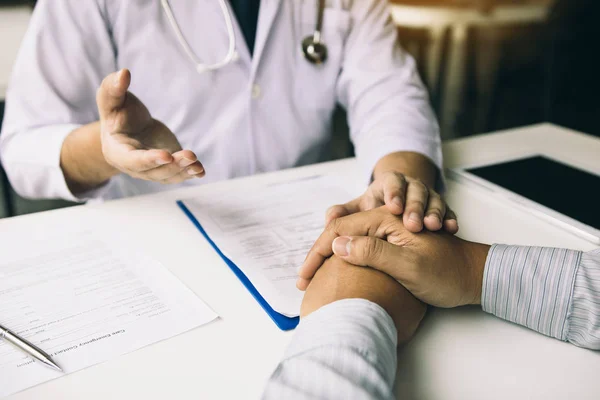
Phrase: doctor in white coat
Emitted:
{"points": [[222, 89]]}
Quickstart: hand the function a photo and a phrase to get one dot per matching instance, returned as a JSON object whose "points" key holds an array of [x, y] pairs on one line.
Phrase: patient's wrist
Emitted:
{"points": [[476, 256]]}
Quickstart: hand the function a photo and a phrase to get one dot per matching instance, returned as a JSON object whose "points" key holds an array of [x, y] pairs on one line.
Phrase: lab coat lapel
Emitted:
{"points": [[266, 17]]}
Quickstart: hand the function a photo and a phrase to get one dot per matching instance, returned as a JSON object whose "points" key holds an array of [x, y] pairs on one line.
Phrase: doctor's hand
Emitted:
{"points": [[135, 143], [436, 267], [420, 206], [338, 280]]}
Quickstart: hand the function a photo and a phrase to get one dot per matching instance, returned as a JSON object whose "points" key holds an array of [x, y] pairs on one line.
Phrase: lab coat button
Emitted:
{"points": [[256, 91]]}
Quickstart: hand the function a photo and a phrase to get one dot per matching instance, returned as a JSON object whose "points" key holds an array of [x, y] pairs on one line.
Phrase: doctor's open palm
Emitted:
{"points": [[135, 143]]}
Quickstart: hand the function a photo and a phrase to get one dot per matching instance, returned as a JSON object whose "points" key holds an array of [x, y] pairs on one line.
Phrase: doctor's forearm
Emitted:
{"points": [[82, 161], [410, 164]]}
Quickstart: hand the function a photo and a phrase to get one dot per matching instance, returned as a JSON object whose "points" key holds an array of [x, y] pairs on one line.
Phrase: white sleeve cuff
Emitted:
{"points": [[351, 323]]}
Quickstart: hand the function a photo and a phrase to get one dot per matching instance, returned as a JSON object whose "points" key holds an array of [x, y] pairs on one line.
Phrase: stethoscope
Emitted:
{"points": [[313, 47]]}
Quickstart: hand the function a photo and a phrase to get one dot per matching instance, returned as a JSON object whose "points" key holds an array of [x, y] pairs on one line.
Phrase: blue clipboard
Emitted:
{"points": [[283, 322]]}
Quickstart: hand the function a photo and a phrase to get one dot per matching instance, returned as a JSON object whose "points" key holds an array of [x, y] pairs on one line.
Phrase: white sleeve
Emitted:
{"points": [[65, 54], [387, 103], [345, 350]]}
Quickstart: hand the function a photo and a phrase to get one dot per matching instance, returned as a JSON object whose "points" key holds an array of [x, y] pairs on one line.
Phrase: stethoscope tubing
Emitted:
{"points": [[313, 48]]}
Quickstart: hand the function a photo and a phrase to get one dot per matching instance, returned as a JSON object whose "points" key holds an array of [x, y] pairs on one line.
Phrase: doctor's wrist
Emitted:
{"points": [[410, 164], [82, 160]]}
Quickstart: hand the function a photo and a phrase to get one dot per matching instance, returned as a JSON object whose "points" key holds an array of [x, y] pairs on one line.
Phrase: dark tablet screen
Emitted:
{"points": [[567, 190]]}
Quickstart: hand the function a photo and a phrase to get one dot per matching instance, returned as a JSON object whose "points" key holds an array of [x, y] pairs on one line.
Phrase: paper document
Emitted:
{"points": [[268, 230], [84, 298]]}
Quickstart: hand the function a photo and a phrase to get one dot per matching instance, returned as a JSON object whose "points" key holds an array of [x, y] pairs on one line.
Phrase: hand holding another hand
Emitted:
{"points": [[437, 268], [338, 280], [421, 206]]}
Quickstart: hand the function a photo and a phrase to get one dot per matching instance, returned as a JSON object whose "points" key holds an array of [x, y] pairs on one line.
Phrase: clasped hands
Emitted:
{"points": [[437, 268]]}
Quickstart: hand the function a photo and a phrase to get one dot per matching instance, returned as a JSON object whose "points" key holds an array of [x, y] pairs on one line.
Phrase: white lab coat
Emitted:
{"points": [[261, 113]]}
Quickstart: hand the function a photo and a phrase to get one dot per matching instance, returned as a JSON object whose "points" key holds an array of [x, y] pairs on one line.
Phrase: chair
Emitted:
{"points": [[447, 57]]}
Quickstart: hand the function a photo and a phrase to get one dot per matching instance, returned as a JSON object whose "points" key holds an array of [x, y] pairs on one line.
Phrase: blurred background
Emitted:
{"points": [[488, 64]]}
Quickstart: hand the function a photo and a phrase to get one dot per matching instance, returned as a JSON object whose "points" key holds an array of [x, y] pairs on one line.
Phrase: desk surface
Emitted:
{"points": [[458, 354]]}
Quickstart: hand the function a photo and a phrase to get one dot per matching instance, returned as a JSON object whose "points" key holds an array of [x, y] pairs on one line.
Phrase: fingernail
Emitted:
{"points": [[414, 217], [195, 171], [117, 78], [341, 246], [160, 161], [396, 200]]}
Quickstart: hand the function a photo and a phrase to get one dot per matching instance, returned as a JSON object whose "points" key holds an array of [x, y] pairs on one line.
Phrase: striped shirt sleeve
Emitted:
{"points": [[344, 350], [552, 291]]}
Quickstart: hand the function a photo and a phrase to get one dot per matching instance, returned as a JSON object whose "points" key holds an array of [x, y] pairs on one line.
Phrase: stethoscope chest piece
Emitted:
{"points": [[313, 48], [314, 51]]}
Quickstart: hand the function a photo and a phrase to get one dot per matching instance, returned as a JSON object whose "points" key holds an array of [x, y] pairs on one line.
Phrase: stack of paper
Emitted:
{"points": [[84, 298], [268, 231]]}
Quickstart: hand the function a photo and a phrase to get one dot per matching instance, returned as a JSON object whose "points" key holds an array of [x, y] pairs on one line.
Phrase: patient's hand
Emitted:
{"points": [[338, 280], [437, 268]]}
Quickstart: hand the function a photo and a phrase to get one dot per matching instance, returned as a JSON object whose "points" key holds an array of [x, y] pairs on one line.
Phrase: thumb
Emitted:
{"points": [[112, 92], [369, 251]]}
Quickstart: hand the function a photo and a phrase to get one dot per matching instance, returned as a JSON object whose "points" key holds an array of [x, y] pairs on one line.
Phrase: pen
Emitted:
{"points": [[28, 348]]}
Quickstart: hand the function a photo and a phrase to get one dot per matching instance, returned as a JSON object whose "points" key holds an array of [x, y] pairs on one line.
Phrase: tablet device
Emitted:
{"points": [[552, 189]]}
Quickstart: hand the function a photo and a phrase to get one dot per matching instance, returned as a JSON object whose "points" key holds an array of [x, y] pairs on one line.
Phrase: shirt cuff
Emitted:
{"points": [[32, 163], [351, 323], [530, 286], [374, 147], [583, 321]]}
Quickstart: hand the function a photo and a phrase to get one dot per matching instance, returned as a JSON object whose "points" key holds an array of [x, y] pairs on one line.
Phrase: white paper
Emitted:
{"points": [[84, 299], [267, 230]]}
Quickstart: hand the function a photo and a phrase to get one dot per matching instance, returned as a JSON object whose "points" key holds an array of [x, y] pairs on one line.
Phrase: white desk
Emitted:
{"points": [[458, 354]]}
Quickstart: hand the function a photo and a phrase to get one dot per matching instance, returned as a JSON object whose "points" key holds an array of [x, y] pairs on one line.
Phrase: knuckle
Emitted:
{"points": [[416, 204], [333, 225], [399, 175], [420, 186], [337, 225], [435, 195], [371, 249], [434, 210]]}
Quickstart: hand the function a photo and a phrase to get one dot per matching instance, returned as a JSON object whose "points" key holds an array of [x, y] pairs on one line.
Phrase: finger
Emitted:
{"points": [[302, 283], [417, 196], [183, 161], [394, 192], [196, 170], [373, 198], [135, 160], [341, 210], [360, 224], [167, 173], [186, 174], [370, 252], [450, 221], [436, 210], [111, 95]]}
